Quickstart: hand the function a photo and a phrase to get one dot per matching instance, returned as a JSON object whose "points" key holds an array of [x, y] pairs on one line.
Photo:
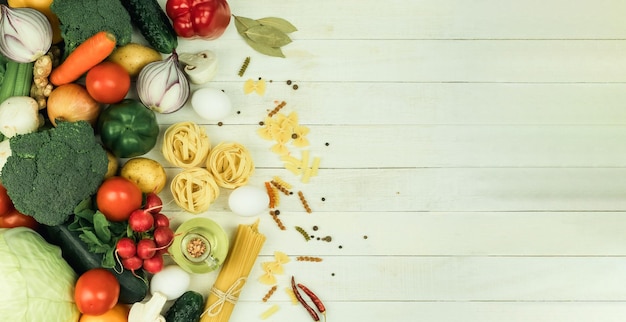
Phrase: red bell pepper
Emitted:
{"points": [[206, 19]]}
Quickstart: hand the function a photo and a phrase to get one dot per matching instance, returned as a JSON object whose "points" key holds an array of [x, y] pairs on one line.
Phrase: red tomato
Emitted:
{"points": [[14, 218], [118, 197], [5, 202], [107, 82], [96, 291]]}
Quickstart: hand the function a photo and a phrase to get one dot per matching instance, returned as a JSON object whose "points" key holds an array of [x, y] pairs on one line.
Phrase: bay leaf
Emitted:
{"points": [[278, 23], [242, 24], [268, 35], [264, 49]]}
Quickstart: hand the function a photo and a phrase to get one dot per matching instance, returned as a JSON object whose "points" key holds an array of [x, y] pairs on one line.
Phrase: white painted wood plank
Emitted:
{"points": [[445, 19], [438, 146], [430, 61], [436, 233], [393, 103], [452, 189], [445, 311], [411, 278]]}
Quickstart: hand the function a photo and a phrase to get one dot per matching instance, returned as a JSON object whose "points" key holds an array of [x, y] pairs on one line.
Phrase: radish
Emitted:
{"points": [[161, 220], [153, 265], [132, 263], [146, 248], [126, 247], [163, 236], [154, 204], [140, 221]]}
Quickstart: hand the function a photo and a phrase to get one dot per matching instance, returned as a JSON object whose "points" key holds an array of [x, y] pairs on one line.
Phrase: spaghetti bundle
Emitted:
{"points": [[185, 144], [194, 189], [230, 164], [234, 273]]}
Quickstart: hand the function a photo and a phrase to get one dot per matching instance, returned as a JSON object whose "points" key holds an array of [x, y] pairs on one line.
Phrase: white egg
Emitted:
{"points": [[211, 104], [248, 200], [172, 281]]}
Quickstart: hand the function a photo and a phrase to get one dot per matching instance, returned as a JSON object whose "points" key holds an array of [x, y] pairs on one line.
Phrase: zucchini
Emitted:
{"points": [[187, 308], [153, 24], [78, 256]]}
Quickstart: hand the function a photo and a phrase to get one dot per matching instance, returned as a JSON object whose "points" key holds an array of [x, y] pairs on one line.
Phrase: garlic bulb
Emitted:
{"points": [[162, 85], [25, 34]]}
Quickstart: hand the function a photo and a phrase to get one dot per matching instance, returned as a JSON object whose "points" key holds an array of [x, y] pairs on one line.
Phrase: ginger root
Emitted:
{"points": [[41, 87]]}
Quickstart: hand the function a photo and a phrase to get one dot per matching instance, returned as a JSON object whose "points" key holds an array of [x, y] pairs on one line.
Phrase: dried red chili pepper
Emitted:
{"points": [[302, 301], [316, 300]]}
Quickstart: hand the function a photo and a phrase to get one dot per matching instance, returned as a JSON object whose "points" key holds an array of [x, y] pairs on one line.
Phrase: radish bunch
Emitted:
{"points": [[151, 237]]}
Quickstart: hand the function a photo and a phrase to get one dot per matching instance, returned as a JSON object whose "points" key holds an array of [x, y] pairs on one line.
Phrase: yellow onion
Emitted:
{"points": [[162, 85], [25, 34]]}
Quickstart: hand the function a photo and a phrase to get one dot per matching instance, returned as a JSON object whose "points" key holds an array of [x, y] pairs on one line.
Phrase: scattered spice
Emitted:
{"points": [[277, 212], [289, 82], [340, 247], [308, 259], [261, 123], [220, 123], [295, 87], [303, 233], [316, 300], [315, 228], [244, 66], [305, 204], [326, 144], [302, 301], [328, 239], [323, 199], [269, 293], [365, 237], [196, 248]]}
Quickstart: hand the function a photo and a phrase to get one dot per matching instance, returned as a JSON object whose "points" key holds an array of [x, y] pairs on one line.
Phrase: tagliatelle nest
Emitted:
{"points": [[194, 190], [230, 164], [186, 144]]}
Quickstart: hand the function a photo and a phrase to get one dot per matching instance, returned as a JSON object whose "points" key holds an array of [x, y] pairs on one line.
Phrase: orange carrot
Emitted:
{"points": [[87, 55]]}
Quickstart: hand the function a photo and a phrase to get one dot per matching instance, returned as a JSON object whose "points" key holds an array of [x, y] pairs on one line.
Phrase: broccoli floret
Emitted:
{"points": [[80, 20], [50, 172]]}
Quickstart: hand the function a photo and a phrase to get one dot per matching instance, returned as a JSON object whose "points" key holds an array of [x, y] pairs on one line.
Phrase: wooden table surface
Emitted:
{"points": [[472, 158]]}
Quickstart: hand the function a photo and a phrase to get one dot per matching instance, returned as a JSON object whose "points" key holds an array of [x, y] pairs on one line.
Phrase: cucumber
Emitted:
{"points": [[78, 256], [153, 24], [187, 308]]}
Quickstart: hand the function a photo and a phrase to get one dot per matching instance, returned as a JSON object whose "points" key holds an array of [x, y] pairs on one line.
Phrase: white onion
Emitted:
{"points": [[162, 86], [25, 34]]}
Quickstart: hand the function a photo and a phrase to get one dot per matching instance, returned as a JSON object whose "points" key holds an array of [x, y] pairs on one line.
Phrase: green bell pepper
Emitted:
{"points": [[128, 128]]}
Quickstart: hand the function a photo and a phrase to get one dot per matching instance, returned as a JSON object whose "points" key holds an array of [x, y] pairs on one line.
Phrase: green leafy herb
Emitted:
{"points": [[266, 35], [100, 234], [278, 23]]}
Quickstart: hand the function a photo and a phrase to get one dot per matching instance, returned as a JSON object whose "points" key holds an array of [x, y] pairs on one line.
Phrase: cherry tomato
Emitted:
{"points": [[118, 313], [14, 218], [107, 82], [118, 197], [96, 291], [5, 202]]}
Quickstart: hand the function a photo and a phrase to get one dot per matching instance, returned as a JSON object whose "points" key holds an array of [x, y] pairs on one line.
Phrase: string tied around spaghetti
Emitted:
{"points": [[231, 296]]}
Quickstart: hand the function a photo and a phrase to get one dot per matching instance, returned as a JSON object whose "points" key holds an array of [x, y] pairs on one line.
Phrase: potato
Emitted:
{"points": [[148, 174], [113, 165], [133, 57]]}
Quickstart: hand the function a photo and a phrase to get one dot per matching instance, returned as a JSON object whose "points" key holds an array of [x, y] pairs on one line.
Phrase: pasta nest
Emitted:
{"points": [[194, 189], [186, 144], [231, 165]]}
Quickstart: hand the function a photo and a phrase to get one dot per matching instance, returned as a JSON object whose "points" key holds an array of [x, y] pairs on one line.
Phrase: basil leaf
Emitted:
{"points": [[278, 23], [264, 49], [242, 24], [101, 227], [268, 35]]}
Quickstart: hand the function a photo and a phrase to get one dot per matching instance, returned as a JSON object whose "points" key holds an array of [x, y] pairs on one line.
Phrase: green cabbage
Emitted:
{"points": [[37, 284]]}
